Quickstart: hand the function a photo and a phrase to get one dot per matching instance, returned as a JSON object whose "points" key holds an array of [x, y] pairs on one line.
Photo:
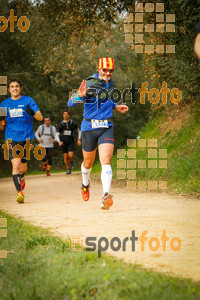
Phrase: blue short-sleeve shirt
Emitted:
{"points": [[19, 125]]}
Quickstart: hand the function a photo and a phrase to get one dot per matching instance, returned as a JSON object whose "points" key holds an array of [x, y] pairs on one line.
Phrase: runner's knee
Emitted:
{"points": [[16, 165], [65, 156], [105, 160], [70, 155], [105, 157], [23, 167], [87, 163]]}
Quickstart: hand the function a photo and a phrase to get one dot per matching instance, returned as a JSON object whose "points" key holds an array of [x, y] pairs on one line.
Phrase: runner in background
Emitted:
{"points": [[46, 135], [21, 111], [97, 127], [66, 133]]}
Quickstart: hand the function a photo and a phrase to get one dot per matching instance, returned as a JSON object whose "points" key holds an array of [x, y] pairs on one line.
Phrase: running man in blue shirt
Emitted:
{"points": [[97, 126], [20, 113]]}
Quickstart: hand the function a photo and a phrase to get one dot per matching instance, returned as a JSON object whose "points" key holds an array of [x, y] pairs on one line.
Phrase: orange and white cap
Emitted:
{"points": [[106, 63]]}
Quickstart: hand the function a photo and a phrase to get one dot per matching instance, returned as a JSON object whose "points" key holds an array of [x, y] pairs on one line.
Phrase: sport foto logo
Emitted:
{"points": [[160, 27], [3, 85], [18, 150], [154, 94], [129, 163], [116, 244], [23, 23], [3, 234]]}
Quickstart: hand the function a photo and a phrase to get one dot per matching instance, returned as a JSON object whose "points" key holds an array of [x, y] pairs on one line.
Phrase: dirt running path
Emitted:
{"points": [[54, 202]]}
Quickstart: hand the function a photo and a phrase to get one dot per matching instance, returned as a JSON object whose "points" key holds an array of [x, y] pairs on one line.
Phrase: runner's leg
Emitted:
{"points": [[86, 167], [24, 168], [49, 158], [105, 156], [23, 171], [44, 165], [66, 161], [48, 167], [16, 168], [71, 158]]}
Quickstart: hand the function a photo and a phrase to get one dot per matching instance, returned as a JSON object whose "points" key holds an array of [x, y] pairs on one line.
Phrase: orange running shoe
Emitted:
{"points": [[20, 197], [107, 201], [44, 167], [85, 194], [22, 183]]}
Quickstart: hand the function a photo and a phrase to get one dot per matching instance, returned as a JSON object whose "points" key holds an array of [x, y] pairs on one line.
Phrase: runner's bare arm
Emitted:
{"points": [[122, 108], [79, 137], [197, 45], [2, 124], [38, 116]]}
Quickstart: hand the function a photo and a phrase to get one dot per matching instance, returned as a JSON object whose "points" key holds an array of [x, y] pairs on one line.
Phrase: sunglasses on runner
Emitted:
{"points": [[107, 70]]}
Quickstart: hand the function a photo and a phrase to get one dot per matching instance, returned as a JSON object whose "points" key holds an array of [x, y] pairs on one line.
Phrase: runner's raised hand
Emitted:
{"points": [[82, 91], [122, 108]]}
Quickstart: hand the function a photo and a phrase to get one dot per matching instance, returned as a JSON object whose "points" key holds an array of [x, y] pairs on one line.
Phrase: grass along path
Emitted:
{"points": [[41, 266]]}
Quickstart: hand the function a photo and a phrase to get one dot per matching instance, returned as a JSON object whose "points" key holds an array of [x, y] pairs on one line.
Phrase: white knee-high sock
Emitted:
{"points": [[85, 175], [106, 178]]}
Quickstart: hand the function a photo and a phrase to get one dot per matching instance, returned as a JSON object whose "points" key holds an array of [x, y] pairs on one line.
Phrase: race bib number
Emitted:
{"points": [[16, 112], [99, 123], [67, 132]]}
